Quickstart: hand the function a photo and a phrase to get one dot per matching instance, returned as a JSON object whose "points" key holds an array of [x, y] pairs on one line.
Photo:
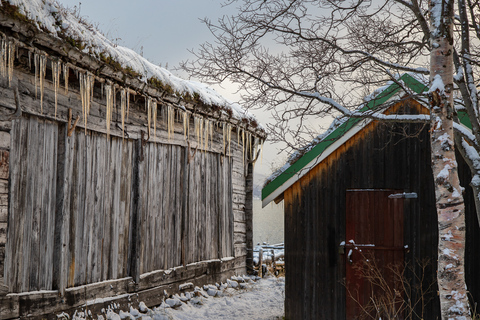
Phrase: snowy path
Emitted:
{"points": [[261, 300]]}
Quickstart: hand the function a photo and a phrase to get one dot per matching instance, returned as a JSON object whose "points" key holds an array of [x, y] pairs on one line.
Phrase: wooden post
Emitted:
{"points": [[260, 263], [249, 216], [274, 265], [134, 236], [62, 220]]}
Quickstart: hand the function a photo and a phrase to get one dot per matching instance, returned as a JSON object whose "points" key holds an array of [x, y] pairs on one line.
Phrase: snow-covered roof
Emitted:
{"points": [[342, 129], [50, 17]]}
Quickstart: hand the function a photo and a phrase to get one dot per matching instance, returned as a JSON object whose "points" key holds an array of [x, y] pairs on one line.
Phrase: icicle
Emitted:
{"points": [[243, 146], [211, 133], [229, 139], [202, 124], [195, 127], [223, 136], [249, 136], [205, 135], [66, 72], [11, 59], [86, 85], [3, 58], [170, 121], [123, 104], [185, 123], [128, 102], [149, 114], [109, 93], [36, 63], [154, 115], [198, 122], [56, 68], [41, 74], [30, 59]]}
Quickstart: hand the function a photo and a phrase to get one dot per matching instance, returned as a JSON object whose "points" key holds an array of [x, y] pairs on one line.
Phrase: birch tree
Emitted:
{"points": [[449, 200], [304, 59]]}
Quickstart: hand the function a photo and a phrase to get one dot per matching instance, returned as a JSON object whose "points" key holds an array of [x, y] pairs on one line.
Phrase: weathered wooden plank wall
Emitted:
{"points": [[4, 172], [184, 212], [32, 205], [95, 209]]}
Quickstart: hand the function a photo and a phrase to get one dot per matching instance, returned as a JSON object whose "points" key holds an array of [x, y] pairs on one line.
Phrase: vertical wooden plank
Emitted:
{"points": [[179, 205], [134, 224], [110, 211], [89, 262], [191, 216], [166, 208], [230, 216], [208, 215], [171, 242], [221, 208], [97, 214], [143, 206], [30, 227], [84, 203], [201, 207], [78, 207], [153, 206], [63, 231], [114, 214], [193, 201], [41, 204], [125, 182], [160, 200], [17, 201], [214, 159], [49, 205], [184, 204]]}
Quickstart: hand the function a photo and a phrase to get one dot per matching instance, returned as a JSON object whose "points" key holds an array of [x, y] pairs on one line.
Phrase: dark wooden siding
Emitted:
{"points": [[382, 156], [85, 208]]}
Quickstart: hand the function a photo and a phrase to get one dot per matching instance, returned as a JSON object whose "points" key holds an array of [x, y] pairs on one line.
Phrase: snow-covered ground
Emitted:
{"points": [[239, 298]]}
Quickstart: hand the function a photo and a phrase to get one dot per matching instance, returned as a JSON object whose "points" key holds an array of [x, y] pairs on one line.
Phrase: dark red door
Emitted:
{"points": [[374, 248]]}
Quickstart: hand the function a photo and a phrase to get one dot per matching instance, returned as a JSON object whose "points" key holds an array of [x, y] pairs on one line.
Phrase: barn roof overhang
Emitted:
{"points": [[45, 28], [295, 169]]}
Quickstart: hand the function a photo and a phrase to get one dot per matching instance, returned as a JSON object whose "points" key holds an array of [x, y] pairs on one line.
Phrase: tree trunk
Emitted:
{"points": [[448, 193]]}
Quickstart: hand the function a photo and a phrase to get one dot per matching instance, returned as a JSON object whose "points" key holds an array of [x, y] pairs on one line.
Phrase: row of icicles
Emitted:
{"points": [[203, 128]]}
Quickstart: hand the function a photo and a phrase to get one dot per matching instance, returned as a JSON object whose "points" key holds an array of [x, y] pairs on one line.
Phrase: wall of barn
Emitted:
{"points": [[4, 171], [382, 156], [84, 208]]}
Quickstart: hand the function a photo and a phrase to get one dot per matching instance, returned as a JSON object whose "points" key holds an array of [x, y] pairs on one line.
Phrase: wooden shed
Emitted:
{"points": [[117, 179], [360, 218]]}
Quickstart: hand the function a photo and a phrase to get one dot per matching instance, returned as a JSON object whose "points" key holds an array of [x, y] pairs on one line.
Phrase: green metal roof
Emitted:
{"points": [[381, 98]]}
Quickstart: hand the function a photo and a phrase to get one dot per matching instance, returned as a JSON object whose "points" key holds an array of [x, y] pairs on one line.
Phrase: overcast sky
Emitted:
{"points": [[164, 31]]}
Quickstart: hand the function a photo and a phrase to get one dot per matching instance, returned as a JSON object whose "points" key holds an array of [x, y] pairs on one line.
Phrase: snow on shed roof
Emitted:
{"points": [[339, 132], [50, 17]]}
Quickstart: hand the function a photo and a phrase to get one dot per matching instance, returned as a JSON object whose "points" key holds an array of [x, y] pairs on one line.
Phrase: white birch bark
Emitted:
{"points": [[449, 199]]}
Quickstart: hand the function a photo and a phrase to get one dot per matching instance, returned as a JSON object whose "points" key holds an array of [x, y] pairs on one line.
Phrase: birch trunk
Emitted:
{"points": [[449, 199]]}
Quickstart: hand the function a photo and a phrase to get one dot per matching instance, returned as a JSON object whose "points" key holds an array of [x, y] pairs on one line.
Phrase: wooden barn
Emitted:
{"points": [[360, 219], [118, 180]]}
